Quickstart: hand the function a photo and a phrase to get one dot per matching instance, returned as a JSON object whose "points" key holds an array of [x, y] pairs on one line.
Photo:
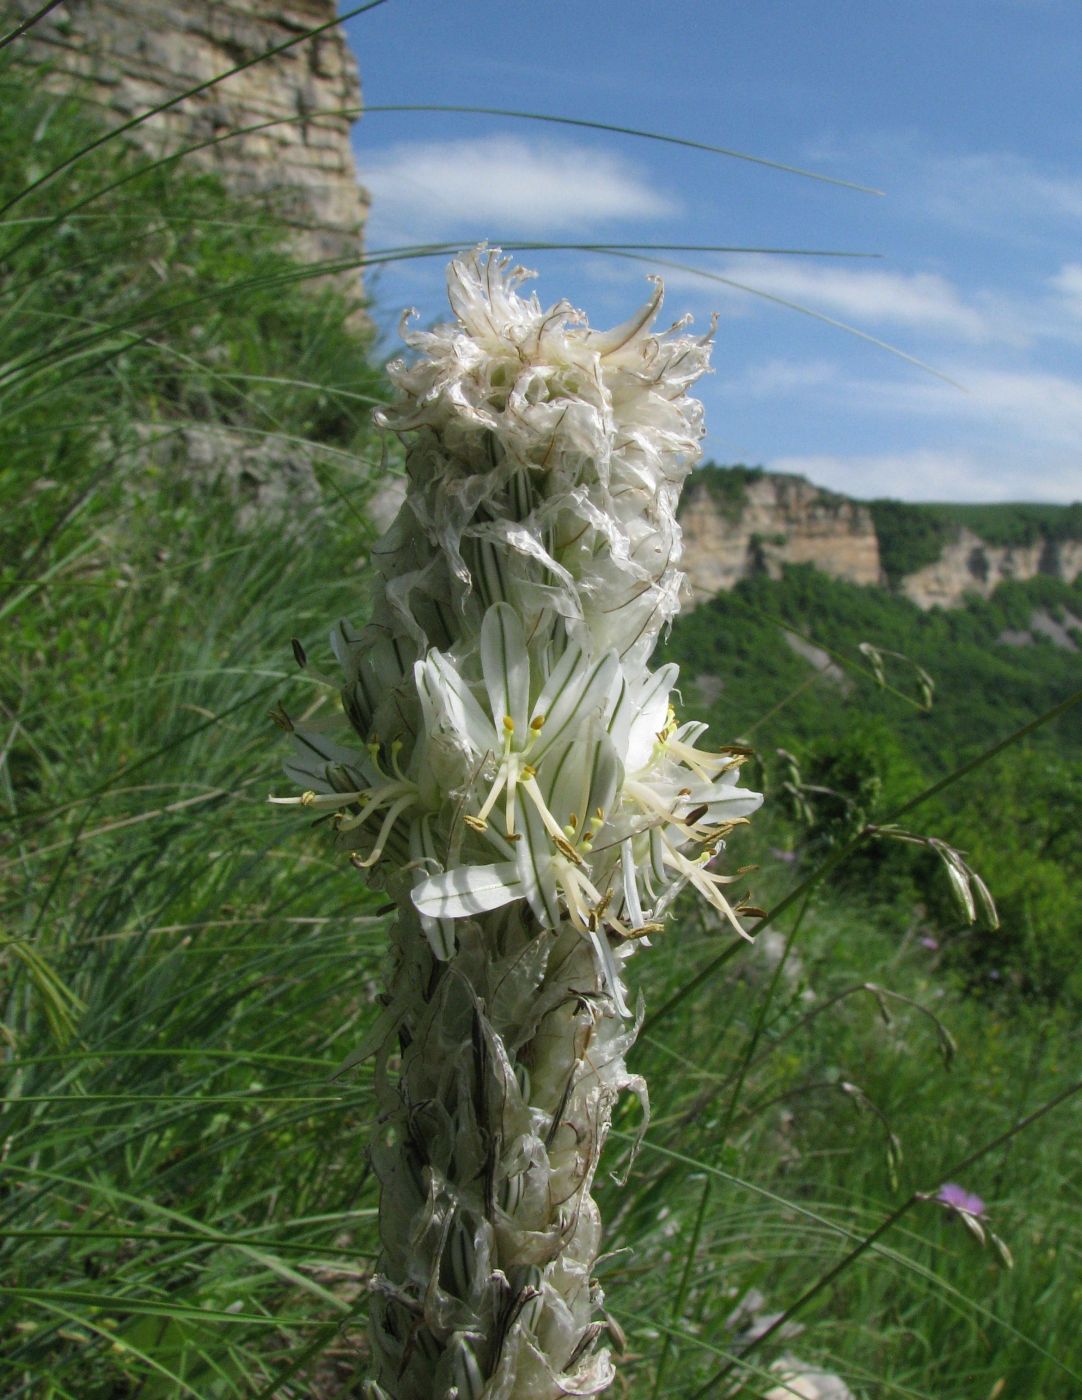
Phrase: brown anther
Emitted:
{"points": [[645, 930], [566, 849], [538, 722]]}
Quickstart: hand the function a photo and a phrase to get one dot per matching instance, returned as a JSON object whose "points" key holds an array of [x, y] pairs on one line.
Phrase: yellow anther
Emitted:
{"points": [[508, 725], [307, 798], [475, 823], [528, 772], [538, 722]]}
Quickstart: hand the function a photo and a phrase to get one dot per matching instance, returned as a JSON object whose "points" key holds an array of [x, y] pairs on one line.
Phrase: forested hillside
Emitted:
{"points": [[855, 700]]}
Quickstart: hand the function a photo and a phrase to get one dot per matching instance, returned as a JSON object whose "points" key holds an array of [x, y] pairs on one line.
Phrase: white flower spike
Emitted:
{"points": [[523, 790]]}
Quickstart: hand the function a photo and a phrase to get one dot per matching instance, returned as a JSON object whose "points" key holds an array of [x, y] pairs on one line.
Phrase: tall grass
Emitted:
{"points": [[184, 1200], [186, 1207]]}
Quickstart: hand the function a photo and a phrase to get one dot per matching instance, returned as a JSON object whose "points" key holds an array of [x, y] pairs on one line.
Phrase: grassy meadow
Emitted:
{"points": [[185, 1205]]}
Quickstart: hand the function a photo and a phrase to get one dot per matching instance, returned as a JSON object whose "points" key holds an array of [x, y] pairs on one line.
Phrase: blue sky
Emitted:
{"points": [[967, 114]]}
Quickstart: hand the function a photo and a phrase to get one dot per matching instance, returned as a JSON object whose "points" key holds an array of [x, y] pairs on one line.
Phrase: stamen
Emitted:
{"points": [[396, 749], [377, 797], [389, 820], [320, 799], [644, 930], [552, 826], [566, 849], [494, 792], [707, 884]]}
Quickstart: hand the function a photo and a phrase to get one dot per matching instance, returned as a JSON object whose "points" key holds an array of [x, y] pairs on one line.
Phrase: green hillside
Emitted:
{"points": [[982, 686], [909, 696]]}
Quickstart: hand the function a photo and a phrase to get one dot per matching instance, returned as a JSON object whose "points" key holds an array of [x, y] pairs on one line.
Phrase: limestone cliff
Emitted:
{"points": [[741, 521], [969, 564], [129, 56], [738, 522]]}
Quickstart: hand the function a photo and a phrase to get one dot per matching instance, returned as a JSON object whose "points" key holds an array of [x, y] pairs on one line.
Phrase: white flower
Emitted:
{"points": [[581, 438], [523, 789]]}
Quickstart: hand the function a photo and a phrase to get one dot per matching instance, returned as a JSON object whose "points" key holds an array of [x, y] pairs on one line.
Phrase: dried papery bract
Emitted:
{"points": [[515, 777]]}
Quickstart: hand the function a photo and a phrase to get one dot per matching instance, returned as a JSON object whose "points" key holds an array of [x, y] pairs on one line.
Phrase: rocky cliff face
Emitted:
{"points": [[768, 521], [970, 565], [128, 56], [739, 522]]}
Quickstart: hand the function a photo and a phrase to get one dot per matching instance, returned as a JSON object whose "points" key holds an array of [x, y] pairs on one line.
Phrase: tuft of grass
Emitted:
{"points": [[185, 1204]]}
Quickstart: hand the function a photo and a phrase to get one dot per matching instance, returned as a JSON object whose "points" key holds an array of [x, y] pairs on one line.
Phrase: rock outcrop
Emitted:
{"points": [[740, 521], [769, 521], [969, 565], [129, 56]]}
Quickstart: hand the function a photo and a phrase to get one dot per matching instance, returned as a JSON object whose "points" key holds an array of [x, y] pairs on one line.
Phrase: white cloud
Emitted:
{"points": [[1029, 408], [920, 300], [779, 377], [995, 194], [1000, 192], [1022, 431], [496, 185], [1067, 285], [932, 474]]}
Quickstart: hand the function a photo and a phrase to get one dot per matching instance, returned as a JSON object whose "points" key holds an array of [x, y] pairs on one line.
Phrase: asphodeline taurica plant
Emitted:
{"points": [[512, 773]]}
